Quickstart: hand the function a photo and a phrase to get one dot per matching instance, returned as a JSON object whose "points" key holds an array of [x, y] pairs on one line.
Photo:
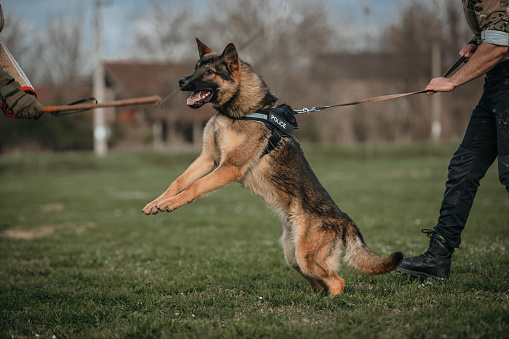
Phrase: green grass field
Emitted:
{"points": [[79, 259]]}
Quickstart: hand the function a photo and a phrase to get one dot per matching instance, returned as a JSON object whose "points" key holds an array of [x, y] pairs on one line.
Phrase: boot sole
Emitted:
{"points": [[417, 274]]}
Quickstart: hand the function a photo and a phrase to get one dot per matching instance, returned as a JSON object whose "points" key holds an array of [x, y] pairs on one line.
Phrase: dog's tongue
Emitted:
{"points": [[195, 97]]}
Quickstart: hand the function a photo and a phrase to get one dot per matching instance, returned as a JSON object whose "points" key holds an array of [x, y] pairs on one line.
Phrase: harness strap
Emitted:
{"points": [[256, 116], [279, 120], [273, 140]]}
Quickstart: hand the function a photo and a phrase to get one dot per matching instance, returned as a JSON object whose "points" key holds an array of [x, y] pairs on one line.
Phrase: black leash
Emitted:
{"points": [[456, 65]]}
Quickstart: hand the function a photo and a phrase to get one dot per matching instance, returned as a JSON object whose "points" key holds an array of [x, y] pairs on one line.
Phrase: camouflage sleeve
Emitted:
{"points": [[471, 18], [493, 19]]}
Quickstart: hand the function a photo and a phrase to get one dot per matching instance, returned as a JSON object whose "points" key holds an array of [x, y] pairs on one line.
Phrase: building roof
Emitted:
{"points": [[56, 95]]}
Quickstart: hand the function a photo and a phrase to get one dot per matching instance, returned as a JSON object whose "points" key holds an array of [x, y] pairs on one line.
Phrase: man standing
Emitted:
{"points": [[487, 134]]}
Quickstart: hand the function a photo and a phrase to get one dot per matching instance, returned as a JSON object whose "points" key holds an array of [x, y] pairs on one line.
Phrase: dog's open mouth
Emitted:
{"points": [[199, 98]]}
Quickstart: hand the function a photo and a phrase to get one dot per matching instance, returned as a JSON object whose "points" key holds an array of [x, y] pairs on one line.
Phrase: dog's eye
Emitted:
{"points": [[209, 71]]}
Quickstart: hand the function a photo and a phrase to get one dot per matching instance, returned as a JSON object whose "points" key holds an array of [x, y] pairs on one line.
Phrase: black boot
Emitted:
{"points": [[434, 263]]}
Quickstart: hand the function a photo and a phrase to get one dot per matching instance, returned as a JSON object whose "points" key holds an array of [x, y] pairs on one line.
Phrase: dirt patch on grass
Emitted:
{"points": [[28, 235], [44, 231]]}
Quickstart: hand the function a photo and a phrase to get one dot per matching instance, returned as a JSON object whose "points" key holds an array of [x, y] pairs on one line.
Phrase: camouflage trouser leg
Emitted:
{"points": [[487, 137]]}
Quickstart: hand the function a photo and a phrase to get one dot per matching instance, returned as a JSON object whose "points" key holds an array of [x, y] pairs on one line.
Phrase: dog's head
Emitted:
{"points": [[215, 78]]}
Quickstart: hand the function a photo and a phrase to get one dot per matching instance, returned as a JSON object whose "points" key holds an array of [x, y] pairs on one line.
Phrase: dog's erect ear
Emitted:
{"points": [[231, 58], [202, 48]]}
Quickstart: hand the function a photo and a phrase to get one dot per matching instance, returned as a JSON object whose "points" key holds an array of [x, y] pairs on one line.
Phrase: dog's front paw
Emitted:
{"points": [[150, 208], [166, 206]]}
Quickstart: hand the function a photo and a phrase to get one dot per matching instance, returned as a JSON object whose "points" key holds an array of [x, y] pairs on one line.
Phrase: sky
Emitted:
{"points": [[118, 17]]}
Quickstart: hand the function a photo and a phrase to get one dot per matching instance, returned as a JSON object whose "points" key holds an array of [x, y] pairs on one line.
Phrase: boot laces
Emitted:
{"points": [[431, 249], [434, 242]]}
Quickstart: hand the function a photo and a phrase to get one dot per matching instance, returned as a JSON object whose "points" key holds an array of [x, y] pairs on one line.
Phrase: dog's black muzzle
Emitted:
{"points": [[184, 83]]}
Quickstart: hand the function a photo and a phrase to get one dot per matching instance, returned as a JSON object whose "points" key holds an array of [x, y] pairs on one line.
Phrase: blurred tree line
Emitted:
{"points": [[299, 50]]}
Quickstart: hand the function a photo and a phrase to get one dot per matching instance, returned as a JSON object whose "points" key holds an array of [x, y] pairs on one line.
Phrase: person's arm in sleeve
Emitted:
{"points": [[480, 61], [17, 103]]}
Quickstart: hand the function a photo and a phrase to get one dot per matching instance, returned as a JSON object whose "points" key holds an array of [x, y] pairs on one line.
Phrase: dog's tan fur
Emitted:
{"points": [[233, 150]]}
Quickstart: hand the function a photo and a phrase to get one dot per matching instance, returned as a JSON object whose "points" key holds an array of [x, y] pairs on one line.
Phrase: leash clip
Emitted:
{"points": [[306, 110]]}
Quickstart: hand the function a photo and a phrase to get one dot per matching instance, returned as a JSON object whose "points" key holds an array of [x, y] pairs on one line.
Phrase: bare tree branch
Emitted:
{"points": [[59, 48]]}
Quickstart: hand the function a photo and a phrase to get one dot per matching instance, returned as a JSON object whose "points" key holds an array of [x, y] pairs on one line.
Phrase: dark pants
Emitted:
{"points": [[487, 137]]}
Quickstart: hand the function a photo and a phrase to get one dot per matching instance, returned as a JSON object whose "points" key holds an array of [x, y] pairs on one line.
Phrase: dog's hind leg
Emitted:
{"points": [[291, 258], [335, 284], [318, 255]]}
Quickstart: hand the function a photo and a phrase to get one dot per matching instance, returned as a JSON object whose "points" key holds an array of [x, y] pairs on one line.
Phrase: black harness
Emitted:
{"points": [[279, 120]]}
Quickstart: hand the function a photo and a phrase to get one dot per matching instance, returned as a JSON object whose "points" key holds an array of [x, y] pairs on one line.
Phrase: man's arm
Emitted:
{"points": [[485, 58]]}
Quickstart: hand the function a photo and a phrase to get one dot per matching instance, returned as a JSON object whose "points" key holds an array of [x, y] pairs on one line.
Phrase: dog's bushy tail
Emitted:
{"points": [[360, 257]]}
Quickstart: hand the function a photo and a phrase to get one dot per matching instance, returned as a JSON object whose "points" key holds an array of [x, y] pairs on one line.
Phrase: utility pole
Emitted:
{"points": [[436, 69], [100, 126]]}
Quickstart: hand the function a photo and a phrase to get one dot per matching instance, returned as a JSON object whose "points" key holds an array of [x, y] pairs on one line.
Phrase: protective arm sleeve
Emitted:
{"points": [[15, 102]]}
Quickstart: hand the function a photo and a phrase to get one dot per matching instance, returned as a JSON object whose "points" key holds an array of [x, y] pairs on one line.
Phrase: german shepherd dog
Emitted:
{"points": [[235, 149]]}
